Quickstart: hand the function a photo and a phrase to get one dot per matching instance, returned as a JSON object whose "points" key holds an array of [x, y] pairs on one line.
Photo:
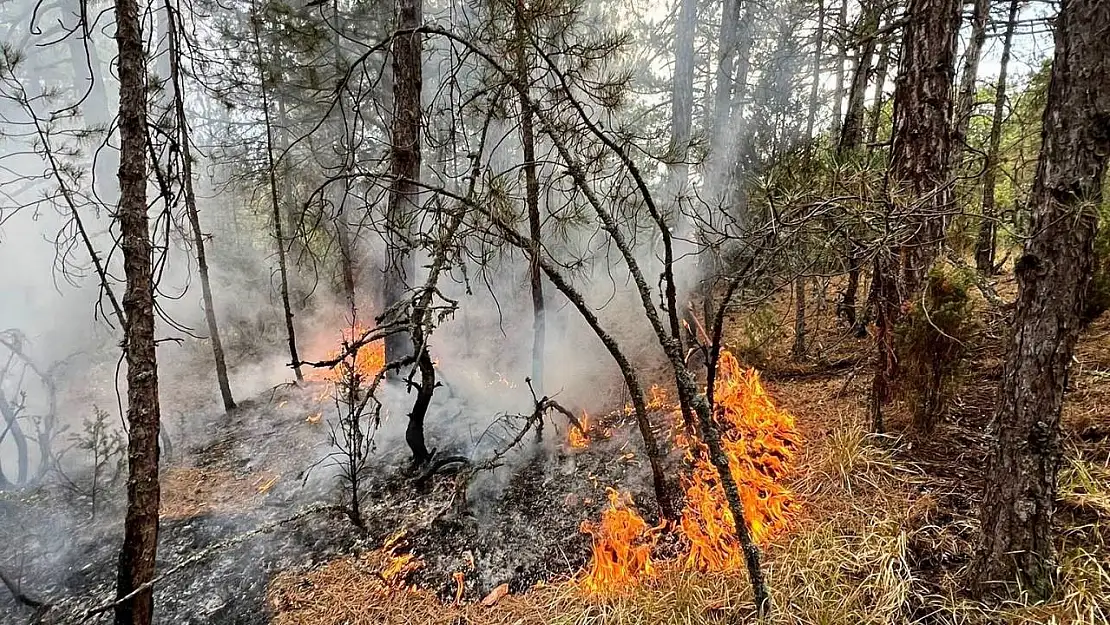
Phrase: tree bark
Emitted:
{"points": [[726, 63], [682, 103], [921, 154], [965, 103], [404, 164], [275, 202], [985, 241], [818, 48], [851, 133], [140, 532], [1053, 276], [184, 139], [841, 60], [882, 66], [342, 228], [532, 199], [798, 351]]}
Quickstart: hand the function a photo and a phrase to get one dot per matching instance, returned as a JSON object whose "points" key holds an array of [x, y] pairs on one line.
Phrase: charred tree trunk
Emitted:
{"points": [[532, 199], [186, 147], [1053, 277], [414, 432], [140, 530], [965, 103], [921, 149], [404, 157], [985, 242], [851, 133], [275, 201]]}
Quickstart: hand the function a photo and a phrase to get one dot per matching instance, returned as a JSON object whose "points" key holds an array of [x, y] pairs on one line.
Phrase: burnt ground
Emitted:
{"points": [[267, 462]]}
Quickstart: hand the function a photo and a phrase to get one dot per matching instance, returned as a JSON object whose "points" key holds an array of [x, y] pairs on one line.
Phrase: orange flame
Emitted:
{"points": [[622, 545], [759, 441], [579, 438], [366, 362]]}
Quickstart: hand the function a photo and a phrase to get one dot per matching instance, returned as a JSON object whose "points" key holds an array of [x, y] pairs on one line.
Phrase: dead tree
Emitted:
{"points": [[1053, 274], [140, 533], [985, 241]]}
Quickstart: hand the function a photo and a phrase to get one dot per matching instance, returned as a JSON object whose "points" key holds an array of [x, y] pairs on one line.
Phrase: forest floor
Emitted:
{"points": [[884, 526]]}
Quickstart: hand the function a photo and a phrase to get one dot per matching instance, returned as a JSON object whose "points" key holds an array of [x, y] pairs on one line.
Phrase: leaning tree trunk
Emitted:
{"points": [[965, 103], [140, 529], [275, 203], [404, 163], [1053, 277], [985, 242], [920, 153], [851, 132], [172, 35], [532, 198]]}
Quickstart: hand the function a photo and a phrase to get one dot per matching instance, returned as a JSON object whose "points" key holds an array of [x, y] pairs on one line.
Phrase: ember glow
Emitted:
{"points": [[622, 545], [760, 442], [367, 361]]}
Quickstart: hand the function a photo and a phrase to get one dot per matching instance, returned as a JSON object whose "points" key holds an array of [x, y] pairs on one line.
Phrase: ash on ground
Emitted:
{"points": [[232, 475]]}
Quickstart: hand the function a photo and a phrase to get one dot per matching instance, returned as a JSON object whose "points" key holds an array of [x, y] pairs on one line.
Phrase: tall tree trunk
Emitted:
{"points": [[1053, 278], [173, 33], [404, 164], [882, 66], [921, 154], [841, 61], [818, 48], [985, 242], [851, 133], [275, 202], [682, 100], [140, 530], [965, 103], [342, 227], [726, 65], [532, 197]]}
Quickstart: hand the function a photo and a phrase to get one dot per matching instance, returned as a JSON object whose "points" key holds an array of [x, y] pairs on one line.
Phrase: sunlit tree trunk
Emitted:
{"points": [[1053, 275], [985, 241], [140, 529], [851, 133], [965, 102], [185, 141], [921, 149]]}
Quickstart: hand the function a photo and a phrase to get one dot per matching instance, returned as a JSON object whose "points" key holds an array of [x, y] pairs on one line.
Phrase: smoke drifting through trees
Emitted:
{"points": [[525, 190]]}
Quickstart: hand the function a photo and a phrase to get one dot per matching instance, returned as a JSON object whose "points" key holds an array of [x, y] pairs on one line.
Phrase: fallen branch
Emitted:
{"points": [[206, 552], [20, 596]]}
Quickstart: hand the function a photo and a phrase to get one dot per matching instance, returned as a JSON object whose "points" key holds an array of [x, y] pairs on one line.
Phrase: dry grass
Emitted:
{"points": [[192, 491]]}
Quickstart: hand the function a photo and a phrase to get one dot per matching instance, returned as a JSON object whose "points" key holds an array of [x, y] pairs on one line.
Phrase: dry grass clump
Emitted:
{"points": [[192, 491]]}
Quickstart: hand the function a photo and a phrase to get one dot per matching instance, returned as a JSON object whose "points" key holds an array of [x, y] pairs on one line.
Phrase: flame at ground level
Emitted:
{"points": [[622, 545], [759, 440]]}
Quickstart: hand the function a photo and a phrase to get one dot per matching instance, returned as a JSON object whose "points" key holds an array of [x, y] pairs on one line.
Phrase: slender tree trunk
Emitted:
{"points": [[726, 65], [921, 151], [140, 530], [1053, 278], [342, 228], [532, 197], [851, 133], [965, 102], [818, 48], [841, 61], [275, 202], [881, 68], [404, 160], [799, 350], [985, 242], [682, 102], [173, 33]]}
